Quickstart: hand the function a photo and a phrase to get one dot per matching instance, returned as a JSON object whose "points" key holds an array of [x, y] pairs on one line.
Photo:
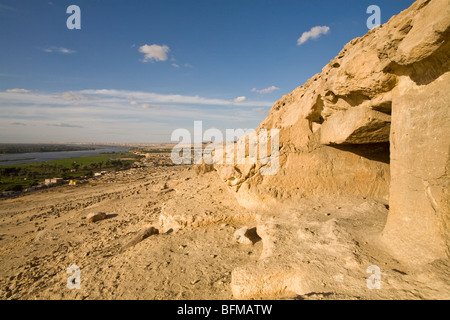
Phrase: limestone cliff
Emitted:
{"points": [[374, 123]]}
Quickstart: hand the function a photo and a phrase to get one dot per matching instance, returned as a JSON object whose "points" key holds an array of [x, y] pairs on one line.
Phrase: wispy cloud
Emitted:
{"points": [[111, 97], [240, 99], [58, 50], [154, 52], [314, 33], [149, 97], [262, 111], [117, 115], [18, 124], [93, 107], [63, 125], [7, 8], [266, 90], [185, 65], [149, 106], [17, 90], [74, 96]]}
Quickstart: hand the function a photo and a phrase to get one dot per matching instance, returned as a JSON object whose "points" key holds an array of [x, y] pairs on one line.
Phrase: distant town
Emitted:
{"points": [[25, 178]]}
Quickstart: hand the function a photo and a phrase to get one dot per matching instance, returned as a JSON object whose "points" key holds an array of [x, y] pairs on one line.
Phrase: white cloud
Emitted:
{"points": [[109, 115], [150, 97], [63, 125], [149, 106], [58, 50], [266, 90], [17, 90], [72, 96], [239, 99], [314, 33], [175, 65], [154, 52], [116, 115], [109, 98]]}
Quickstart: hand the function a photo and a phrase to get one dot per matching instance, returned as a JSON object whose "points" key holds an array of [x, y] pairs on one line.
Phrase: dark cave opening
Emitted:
{"points": [[372, 151]]}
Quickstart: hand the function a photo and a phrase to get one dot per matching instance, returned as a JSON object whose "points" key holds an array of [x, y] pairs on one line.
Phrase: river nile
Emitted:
{"points": [[19, 158]]}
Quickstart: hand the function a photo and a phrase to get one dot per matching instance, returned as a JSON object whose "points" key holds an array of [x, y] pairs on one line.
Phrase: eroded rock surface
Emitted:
{"points": [[358, 125], [375, 123]]}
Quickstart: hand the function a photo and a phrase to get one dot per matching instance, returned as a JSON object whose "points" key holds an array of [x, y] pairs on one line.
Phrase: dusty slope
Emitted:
{"points": [[43, 233]]}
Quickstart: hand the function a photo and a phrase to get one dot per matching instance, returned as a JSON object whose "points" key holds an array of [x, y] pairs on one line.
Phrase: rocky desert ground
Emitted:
{"points": [[46, 232], [196, 255]]}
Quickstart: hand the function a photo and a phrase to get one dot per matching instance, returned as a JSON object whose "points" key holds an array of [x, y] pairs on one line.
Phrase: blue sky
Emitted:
{"points": [[137, 70]]}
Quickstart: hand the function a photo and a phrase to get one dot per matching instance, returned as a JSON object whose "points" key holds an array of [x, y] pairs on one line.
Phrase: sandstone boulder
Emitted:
{"points": [[245, 235], [358, 125], [96, 216], [141, 235]]}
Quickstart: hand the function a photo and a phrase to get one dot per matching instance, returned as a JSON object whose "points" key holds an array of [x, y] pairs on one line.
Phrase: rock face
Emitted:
{"points": [[419, 219], [374, 123], [358, 125]]}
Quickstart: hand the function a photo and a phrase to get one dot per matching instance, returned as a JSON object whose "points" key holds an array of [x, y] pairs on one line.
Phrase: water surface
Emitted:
{"points": [[56, 155]]}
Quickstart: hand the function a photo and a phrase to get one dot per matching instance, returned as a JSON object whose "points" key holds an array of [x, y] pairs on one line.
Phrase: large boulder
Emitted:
{"points": [[358, 125]]}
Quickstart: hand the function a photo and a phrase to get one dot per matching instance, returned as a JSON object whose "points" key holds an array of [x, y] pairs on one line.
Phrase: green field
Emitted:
{"points": [[20, 176]]}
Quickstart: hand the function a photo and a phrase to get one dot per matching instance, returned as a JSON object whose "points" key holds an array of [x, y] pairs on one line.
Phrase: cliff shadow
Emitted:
{"points": [[373, 151]]}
